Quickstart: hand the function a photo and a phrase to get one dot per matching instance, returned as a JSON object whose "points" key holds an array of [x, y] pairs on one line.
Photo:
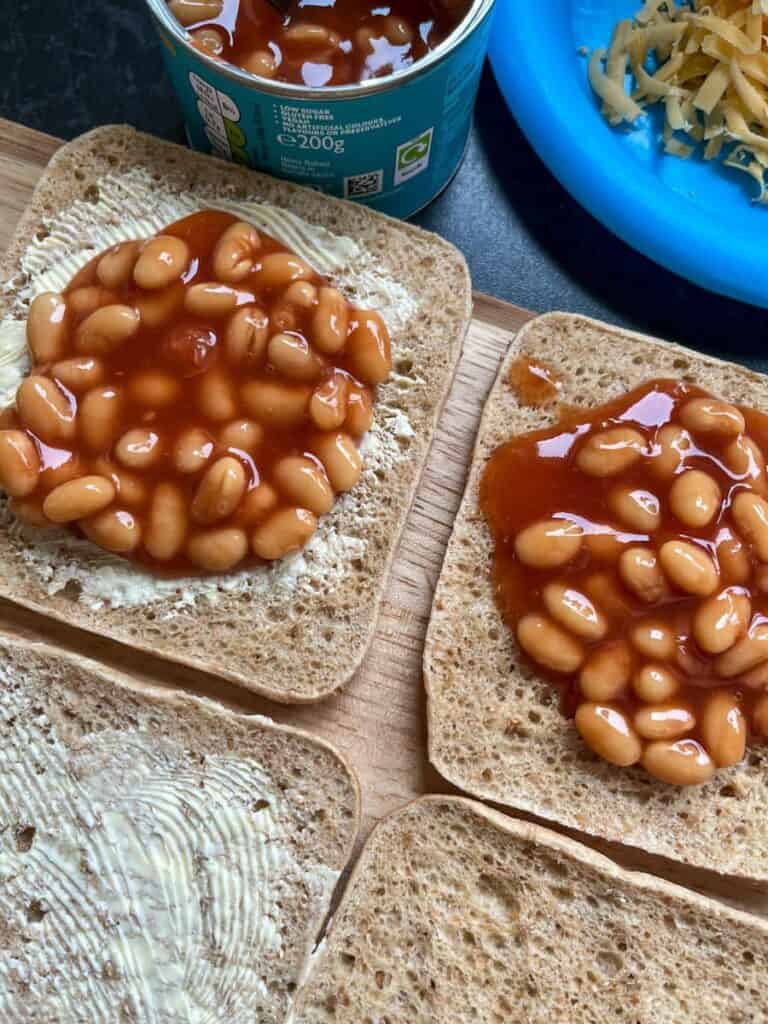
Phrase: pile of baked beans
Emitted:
{"points": [[196, 399], [632, 562], [316, 45]]}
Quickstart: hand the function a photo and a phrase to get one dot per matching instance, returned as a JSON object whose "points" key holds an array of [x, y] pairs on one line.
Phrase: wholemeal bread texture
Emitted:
{"points": [[297, 630], [457, 913], [161, 859], [495, 728]]}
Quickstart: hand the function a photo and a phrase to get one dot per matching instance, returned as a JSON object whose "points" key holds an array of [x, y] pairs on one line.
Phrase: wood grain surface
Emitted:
{"points": [[378, 720]]}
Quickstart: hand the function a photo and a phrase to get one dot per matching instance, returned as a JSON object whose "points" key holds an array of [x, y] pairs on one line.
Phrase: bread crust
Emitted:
{"points": [[495, 728], [267, 643]]}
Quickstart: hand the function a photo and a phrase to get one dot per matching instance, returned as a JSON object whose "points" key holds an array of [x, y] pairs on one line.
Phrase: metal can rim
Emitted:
{"points": [[477, 12]]}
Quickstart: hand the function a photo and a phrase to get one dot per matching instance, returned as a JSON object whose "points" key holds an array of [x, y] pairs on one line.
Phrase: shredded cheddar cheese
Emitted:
{"points": [[707, 65]]}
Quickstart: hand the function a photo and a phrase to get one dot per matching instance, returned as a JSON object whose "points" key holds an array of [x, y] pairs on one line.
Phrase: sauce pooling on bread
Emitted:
{"points": [[631, 561], [196, 400]]}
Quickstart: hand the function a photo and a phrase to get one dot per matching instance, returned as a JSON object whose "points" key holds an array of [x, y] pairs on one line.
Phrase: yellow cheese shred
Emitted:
{"points": [[706, 63]]}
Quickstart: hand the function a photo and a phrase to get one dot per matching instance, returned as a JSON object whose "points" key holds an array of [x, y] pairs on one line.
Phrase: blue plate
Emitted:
{"points": [[698, 219]]}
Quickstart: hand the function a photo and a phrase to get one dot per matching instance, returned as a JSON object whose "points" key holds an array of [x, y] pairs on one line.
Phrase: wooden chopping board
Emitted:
{"points": [[379, 719]]}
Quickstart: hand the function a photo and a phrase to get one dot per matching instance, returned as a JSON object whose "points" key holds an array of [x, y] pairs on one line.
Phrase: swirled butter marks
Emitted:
{"points": [[146, 884]]}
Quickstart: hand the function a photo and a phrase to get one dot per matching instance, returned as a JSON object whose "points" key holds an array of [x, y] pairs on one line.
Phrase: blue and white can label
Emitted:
{"points": [[393, 149]]}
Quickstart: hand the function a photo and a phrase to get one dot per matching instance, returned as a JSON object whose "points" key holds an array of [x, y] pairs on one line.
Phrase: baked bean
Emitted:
{"points": [[283, 318], [574, 610], [235, 252], [548, 644], [244, 435], [78, 498], [115, 267], [311, 36], [279, 269], [131, 489], [397, 31], [47, 326], [219, 492], [606, 730], [154, 389], [636, 508], [671, 446], [305, 483], [211, 299], [99, 417], [653, 638], [192, 450], [82, 301], [664, 721], [610, 451], [19, 463], [751, 650], [689, 567], [291, 356], [549, 543], [159, 307], [139, 448], [605, 673], [655, 683], [368, 348], [733, 559], [114, 530], [760, 578], [679, 762], [744, 458], [723, 728], [45, 410], [190, 12], [756, 678], [66, 466], [301, 294], [106, 329], [217, 397], [261, 63], [364, 37], [359, 411], [603, 589], [695, 498], [760, 716], [210, 39], [640, 572], [285, 531], [606, 546], [750, 513], [330, 321], [246, 337], [79, 374], [721, 620], [711, 416], [29, 511], [166, 528], [278, 406], [328, 405], [342, 461], [218, 550], [257, 503]]}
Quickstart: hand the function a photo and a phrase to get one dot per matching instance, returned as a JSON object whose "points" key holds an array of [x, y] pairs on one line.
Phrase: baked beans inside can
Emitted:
{"points": [[364, 102]]}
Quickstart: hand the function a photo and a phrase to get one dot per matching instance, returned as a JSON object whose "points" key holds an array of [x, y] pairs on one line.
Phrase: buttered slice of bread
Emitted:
{"points": [[495, 727], [456, 913], [297, 630], [161, 859]]}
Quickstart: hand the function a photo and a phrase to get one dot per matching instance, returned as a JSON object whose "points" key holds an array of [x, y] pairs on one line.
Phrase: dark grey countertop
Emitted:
{"points": [[65, 68]]}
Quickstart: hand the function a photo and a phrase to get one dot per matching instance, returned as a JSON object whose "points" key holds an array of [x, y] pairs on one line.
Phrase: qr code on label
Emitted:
{"points": [[358, 186]]}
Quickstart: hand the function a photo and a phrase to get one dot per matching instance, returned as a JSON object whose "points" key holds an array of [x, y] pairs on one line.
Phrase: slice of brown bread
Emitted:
{"points": [[456, 913], [302, 637], [161, 859], [495, 727]]}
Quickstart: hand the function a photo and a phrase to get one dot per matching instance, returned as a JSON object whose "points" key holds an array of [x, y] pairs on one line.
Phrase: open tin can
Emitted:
{"points": [[392, 143]]}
